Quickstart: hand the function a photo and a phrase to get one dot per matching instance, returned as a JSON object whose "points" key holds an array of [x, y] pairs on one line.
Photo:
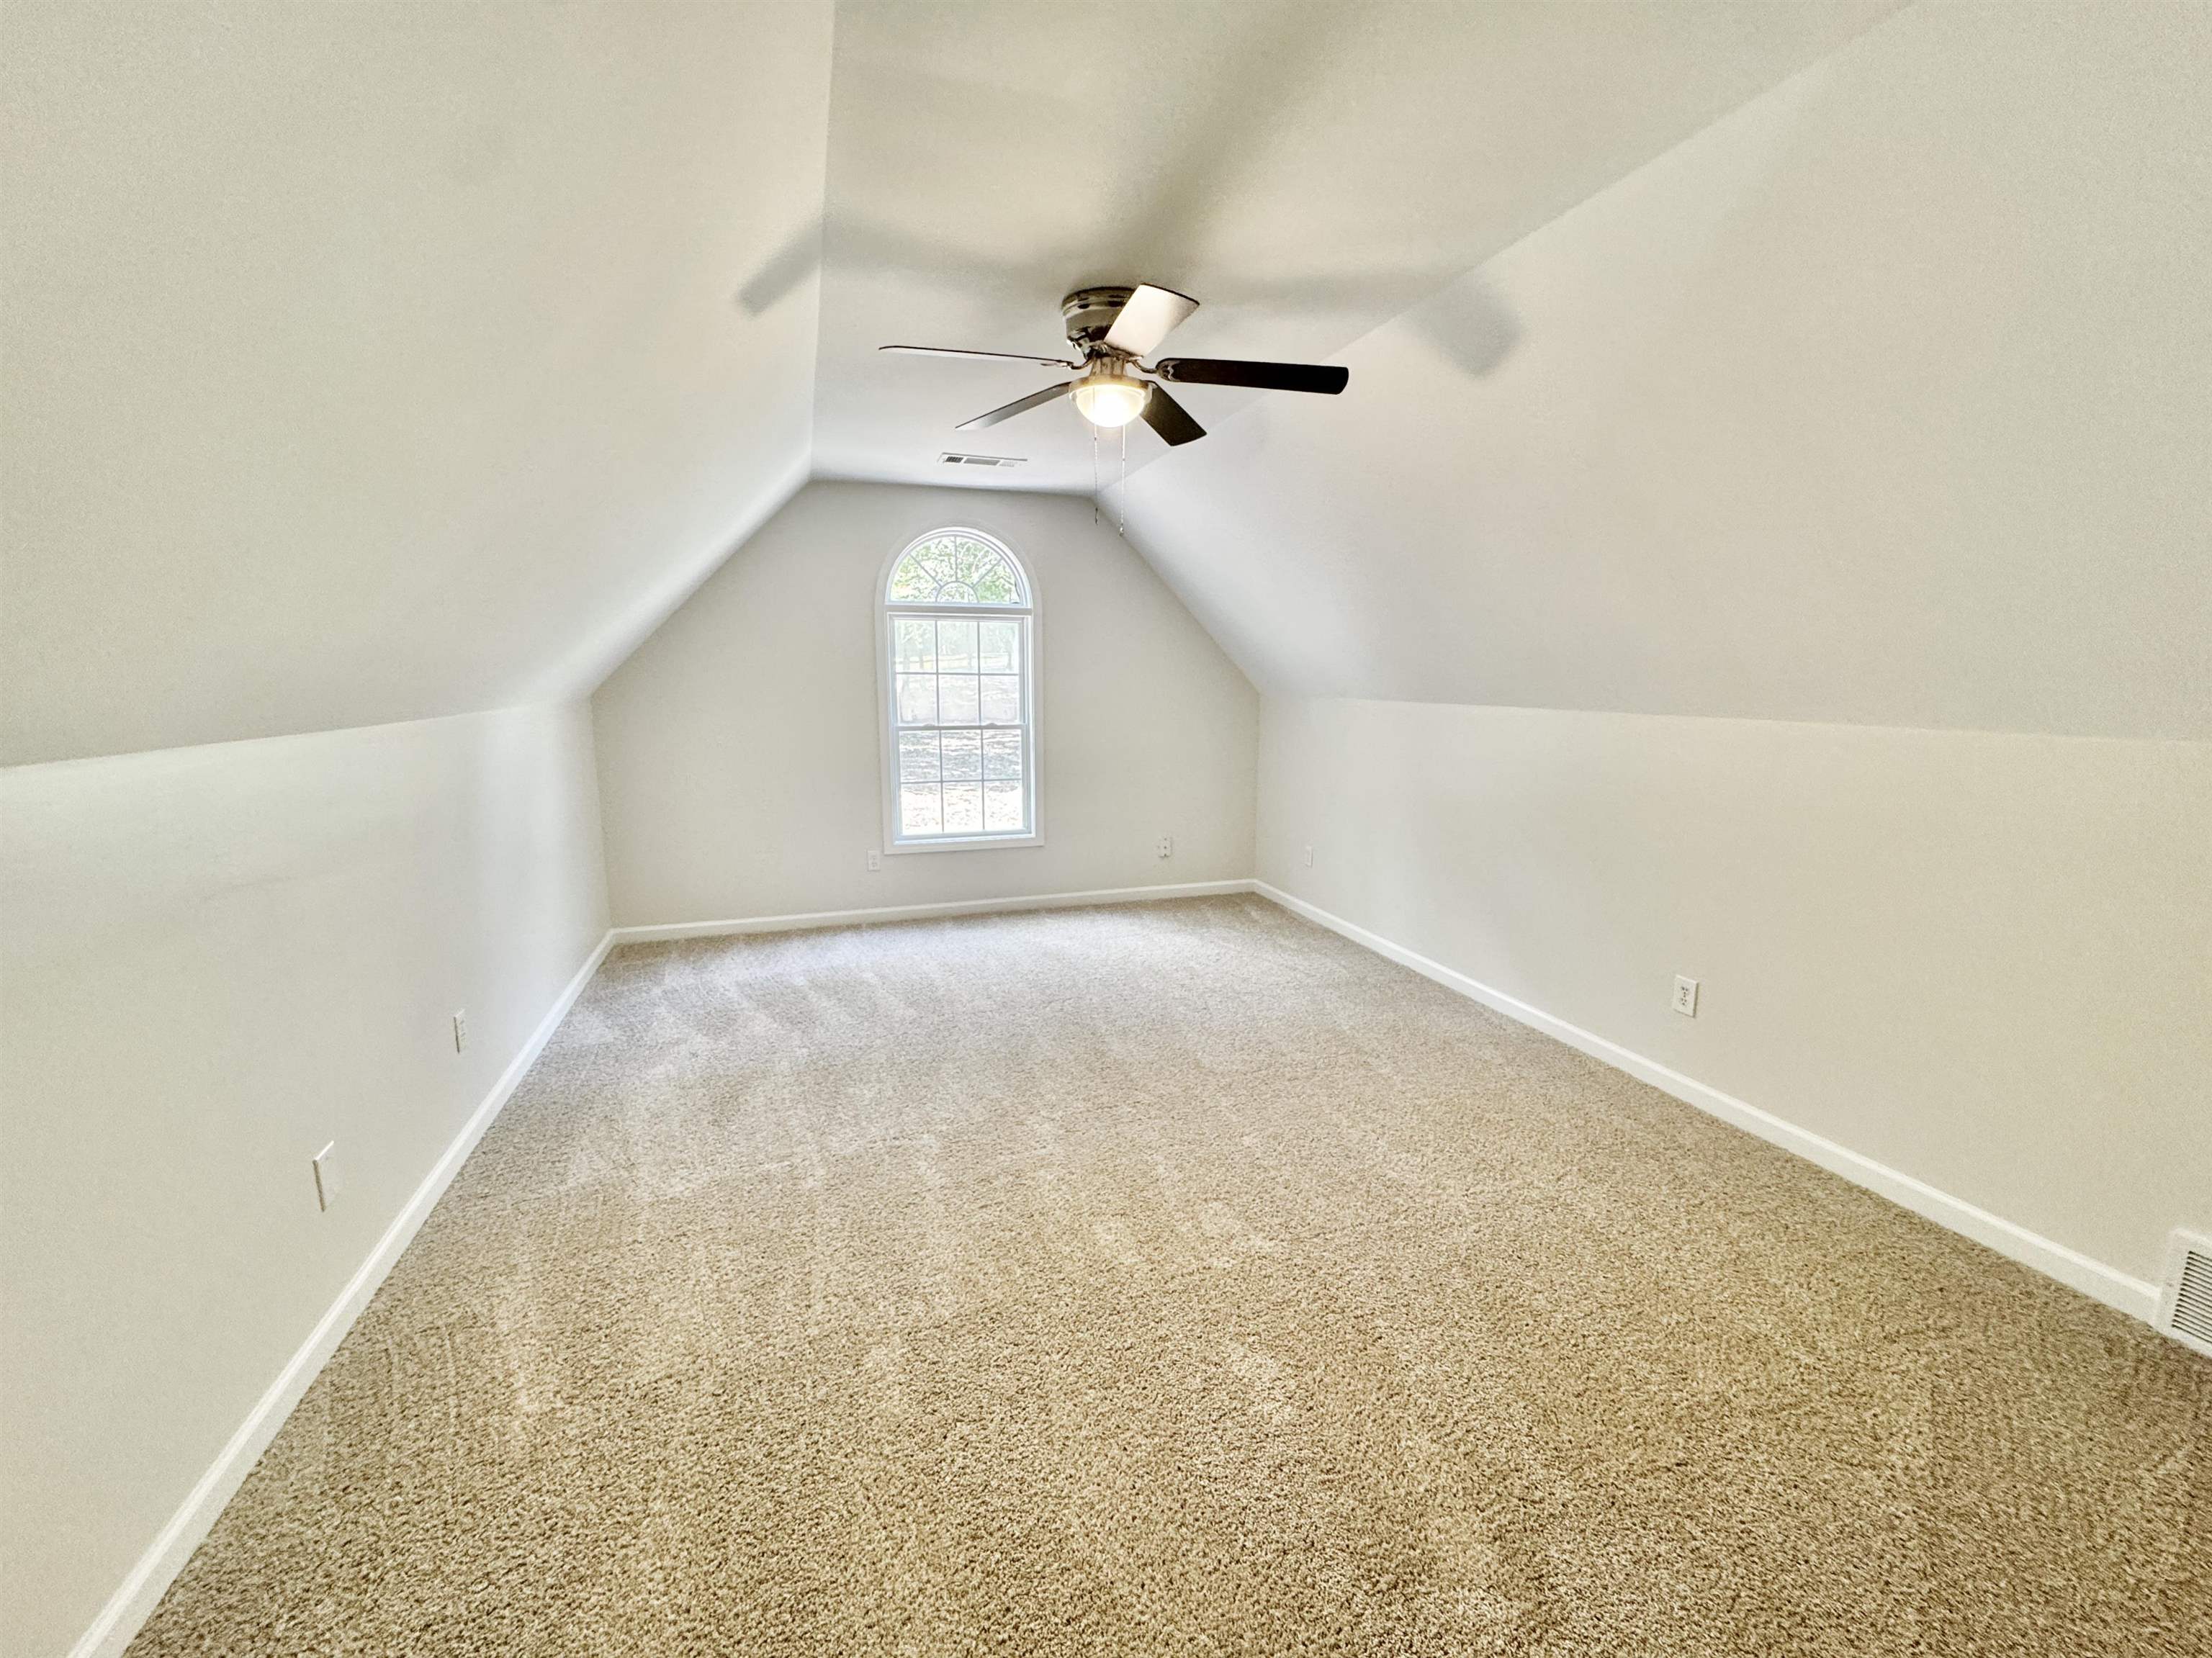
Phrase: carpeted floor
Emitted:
{"points": [[1181, 1279]]}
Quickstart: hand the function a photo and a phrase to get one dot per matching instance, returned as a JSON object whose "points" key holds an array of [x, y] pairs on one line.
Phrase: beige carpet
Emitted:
{"points": [[1180, 1279]]}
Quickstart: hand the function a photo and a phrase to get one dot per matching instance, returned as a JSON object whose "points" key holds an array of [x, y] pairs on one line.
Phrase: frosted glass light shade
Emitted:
{"points": [[1111, 400]]}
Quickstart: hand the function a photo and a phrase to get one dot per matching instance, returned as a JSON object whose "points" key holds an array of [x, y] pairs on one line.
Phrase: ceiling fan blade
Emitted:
{"points": [[1019, 406], [1169, 418], [988, 356], [1268, 376], [1149, 317]]}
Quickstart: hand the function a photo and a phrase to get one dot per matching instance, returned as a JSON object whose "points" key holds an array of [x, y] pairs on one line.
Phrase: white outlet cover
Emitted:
{"points": [[875, 861], [1309, 857], [1167, 845], [461, 1030], [1685, 997], [326, 1176]]}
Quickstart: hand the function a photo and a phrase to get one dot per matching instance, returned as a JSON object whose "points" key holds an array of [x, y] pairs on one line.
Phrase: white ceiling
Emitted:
{"points": [[371, 361], [1308, 172], [1887, 400], [378, 362]]}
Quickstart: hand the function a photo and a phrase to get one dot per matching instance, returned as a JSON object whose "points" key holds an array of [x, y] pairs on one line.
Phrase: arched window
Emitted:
{"points": [[959, 667]]}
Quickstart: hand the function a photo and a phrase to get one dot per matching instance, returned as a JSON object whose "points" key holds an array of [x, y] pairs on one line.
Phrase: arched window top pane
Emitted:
{"points": [[955, 566]]}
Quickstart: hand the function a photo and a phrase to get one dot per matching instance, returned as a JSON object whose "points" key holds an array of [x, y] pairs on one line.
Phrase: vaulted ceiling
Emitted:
{"points": [[366, 362], [1885, 400], [1808, 361], [1308, 172]]}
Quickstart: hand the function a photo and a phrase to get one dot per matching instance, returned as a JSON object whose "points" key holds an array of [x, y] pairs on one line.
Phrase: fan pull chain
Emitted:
{"points": [[1123, 523], [1094, 475]]}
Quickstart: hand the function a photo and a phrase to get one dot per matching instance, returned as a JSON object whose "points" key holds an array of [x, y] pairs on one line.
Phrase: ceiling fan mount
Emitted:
{"points": [[1116, 327], [1089, 313]]}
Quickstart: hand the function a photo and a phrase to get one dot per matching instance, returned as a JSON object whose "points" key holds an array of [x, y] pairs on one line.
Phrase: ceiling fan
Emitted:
{"points": [[1114, 328]]}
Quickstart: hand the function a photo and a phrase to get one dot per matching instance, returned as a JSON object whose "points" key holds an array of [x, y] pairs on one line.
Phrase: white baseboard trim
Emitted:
{"points": [[148, 1580], [2076, 1270], [828, 918], [135, 1599]]}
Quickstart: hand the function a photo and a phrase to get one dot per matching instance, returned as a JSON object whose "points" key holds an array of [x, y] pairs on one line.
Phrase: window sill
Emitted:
{"points": [[964, 844]]}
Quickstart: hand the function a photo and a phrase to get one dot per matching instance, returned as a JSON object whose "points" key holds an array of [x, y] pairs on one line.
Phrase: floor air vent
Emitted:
{"points": [[2185, 1312], [982, 461]]}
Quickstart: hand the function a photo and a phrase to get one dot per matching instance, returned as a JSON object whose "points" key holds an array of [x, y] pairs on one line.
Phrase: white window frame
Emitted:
{"points": [[1030, 617]]}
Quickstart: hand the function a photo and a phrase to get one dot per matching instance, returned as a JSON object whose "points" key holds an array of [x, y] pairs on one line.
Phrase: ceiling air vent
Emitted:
{"points": [[2185, 1311], [986, 461]]}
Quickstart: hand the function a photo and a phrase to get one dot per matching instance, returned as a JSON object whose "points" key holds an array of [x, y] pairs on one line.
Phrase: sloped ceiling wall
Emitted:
{"points": [[1885, 400], [378, 362], [373, 361]]}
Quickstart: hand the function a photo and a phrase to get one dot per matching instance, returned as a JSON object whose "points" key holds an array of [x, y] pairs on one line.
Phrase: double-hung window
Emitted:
{"points": [[959, 689]]}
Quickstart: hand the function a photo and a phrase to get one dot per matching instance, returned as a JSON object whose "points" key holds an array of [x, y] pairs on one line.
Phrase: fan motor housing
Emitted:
{"points": [[1090, 311]]}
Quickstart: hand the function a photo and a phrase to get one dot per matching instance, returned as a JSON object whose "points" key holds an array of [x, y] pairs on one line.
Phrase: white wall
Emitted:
{"points": [[215, 960], [1984, 961], [740, 752], [1863, 427]]}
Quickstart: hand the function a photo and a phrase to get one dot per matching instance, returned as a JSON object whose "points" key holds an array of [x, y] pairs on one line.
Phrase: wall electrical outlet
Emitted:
{"points": [[875, 861], [1167, 845], [1309, 857], [1685, 997], [326, 1176], [461, 1031]]}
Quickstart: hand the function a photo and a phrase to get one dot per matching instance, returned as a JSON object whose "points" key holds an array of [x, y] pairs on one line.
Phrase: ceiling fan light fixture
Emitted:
{"points": [[1115, 329], [1108, 399]]}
